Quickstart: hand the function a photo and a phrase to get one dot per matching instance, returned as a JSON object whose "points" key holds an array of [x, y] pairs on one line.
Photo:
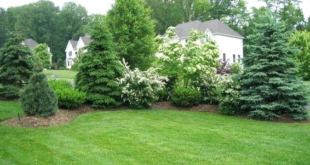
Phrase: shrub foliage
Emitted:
{"points": [[140, 88], [67, 97], [38, 98], [9, 92], [186, 97]]}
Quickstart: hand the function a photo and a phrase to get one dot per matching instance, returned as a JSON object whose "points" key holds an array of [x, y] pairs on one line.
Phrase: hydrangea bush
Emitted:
{"points": [[140, 87]]}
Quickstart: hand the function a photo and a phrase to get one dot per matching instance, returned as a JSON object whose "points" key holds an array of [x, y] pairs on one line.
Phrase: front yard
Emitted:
{"points": [[154, 137]]}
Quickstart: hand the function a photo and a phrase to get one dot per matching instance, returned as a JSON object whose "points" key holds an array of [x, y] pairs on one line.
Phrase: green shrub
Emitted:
{"points": [[67, 97], [163, 95], [38, 98], [186, 97], [60, 84], [236, 68], [9, 92], [230, 104]]}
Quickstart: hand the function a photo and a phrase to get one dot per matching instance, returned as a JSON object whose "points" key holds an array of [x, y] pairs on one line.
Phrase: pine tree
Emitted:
{"points": [[133, 31], [100, 69], [270, 86], [38, 98], [15, 62]]}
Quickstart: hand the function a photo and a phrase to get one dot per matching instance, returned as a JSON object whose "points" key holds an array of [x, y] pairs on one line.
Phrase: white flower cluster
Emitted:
{"points": [[197, 56], [140, 87], [217, 86]]}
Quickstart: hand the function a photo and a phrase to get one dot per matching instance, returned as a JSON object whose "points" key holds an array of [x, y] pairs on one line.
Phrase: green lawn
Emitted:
{"points": [[154, 137], [64, 74]]}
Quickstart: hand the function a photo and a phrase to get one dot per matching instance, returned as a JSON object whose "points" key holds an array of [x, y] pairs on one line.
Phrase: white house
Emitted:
{"points": [[229, 41], [73, 47]]}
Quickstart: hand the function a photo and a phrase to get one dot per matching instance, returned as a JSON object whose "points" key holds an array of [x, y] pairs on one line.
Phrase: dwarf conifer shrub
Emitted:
{"points": [[186, 97], [38, 98]]}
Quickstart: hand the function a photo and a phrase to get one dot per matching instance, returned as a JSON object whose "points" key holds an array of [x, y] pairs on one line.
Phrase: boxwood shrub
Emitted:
{"points": [[68, 97], [186, 97]]}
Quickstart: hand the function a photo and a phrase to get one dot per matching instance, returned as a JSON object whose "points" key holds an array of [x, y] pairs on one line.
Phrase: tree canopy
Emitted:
{"points": [[133, 32]]}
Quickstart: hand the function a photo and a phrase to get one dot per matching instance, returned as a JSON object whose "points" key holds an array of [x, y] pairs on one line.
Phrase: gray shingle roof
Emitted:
{"points": [[73, 43], [215, 26], [30, 43], [86, 39]]}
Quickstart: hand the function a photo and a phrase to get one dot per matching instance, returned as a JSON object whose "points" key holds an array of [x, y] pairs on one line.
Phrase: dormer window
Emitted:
{"points": [[70, 53]]}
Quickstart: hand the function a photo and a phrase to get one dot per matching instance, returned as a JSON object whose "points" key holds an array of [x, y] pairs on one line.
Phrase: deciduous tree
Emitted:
{"points": [[133, 32]]}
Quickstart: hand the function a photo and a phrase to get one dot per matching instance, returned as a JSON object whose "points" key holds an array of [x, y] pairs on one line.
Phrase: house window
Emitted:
{"points": [[68, 63], [224, 57], [70, 53], [234, 58], [239, 58]]}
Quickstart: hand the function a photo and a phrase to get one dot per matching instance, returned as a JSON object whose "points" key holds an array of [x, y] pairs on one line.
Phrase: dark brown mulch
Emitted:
{"points": [[167, 105], [200, 108], [62, 117]]}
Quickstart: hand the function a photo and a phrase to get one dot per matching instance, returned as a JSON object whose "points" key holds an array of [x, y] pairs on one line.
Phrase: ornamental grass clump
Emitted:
{"points": [[140, 88]]}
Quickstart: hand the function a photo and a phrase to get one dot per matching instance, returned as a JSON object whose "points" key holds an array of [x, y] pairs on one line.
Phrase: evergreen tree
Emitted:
{"points": [[133, 31], [38, 98], [15, 62], [100, 69], [270, 86]]}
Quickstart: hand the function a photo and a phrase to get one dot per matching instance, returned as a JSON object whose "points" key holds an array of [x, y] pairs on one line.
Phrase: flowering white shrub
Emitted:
{"points": [[186, 62], [216, 86], [140, 87]]}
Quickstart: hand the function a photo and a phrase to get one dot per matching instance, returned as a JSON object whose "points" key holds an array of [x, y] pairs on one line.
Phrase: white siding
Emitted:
{"points": [[70, 55], [230, 46]]}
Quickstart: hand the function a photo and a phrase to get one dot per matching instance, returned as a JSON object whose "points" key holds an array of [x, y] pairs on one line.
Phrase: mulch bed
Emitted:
{"points": [[199, 108], [63, 117]]}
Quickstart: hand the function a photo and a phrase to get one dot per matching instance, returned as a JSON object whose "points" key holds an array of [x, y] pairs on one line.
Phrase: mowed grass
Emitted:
{"points": [[64, 74], [155, 137]]}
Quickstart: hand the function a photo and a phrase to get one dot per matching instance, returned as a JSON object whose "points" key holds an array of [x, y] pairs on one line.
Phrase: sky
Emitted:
{"points": [[102, 6]]}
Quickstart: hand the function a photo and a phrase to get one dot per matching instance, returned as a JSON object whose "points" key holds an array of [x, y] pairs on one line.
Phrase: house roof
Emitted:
{"points": [[73, 43], [30, 43], [215, 26], [86, 39]]}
